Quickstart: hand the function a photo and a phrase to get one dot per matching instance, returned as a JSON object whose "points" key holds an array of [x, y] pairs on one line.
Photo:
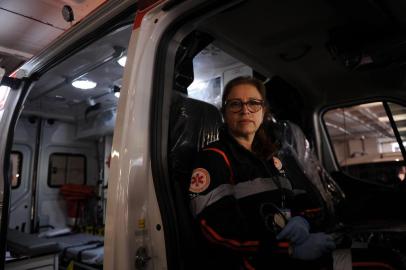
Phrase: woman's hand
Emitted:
{"points": [[314, 247], [296, 231]]}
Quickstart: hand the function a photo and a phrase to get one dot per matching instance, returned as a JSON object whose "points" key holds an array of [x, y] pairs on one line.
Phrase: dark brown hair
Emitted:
{"points": [[262, 145]]}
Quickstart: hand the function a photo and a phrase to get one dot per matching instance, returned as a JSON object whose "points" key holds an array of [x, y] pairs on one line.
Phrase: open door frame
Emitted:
{"points": [[14, 93]]}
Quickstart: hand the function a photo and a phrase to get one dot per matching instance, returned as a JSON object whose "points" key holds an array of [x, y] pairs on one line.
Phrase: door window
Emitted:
{"points": [[364, 141], [213, 69]]}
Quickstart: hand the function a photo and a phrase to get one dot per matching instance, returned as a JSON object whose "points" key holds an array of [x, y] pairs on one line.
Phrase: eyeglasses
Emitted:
{"points": [[236, 105]]}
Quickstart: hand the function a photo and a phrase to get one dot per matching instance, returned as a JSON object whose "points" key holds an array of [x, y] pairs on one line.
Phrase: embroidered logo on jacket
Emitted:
{"points": [[277, 162], [200, 180]]}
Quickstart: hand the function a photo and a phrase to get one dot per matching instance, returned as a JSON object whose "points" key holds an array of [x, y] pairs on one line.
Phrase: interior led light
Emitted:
{"points": [[84, 84]]}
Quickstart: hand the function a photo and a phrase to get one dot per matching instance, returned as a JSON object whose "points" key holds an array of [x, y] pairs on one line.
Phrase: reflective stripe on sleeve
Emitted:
{"points": [[198, 203], [238, 191], [259, 185]]}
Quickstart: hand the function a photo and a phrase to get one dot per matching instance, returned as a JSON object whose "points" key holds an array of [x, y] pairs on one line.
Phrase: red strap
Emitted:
{"points": [[213, 236], [313, 210], [225, 160], [248, 265], [309, 212], [283, 244]]}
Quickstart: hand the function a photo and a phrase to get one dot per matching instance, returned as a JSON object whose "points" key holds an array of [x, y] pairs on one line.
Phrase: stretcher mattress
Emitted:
{"points": [[85, 248], [24, 244]]}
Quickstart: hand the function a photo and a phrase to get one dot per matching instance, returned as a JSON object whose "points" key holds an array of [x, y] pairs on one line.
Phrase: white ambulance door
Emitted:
{"points": [[140, 224], [12, 94]]}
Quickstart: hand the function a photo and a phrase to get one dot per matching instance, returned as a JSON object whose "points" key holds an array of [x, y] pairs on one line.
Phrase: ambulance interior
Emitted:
{"points": [[62, 142], [60, 158]]}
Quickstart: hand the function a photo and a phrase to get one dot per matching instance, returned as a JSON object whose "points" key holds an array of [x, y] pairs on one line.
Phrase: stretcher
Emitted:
{"points": [[81, 247], [84, 250], [27, 251]]}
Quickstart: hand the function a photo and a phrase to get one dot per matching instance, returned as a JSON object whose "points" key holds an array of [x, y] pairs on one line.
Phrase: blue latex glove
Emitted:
{"points": [[296, 231], [314, 247]]}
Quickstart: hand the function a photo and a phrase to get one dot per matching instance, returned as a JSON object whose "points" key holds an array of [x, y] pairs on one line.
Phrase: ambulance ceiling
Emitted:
{"points": [[54, 96], [326, 46], [28, 26]]}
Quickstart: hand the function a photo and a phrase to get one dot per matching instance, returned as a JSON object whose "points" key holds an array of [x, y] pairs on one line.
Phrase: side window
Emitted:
{"points": [[207, 90], [364, 141], [212, 69], [66, 169], [16, 161]]}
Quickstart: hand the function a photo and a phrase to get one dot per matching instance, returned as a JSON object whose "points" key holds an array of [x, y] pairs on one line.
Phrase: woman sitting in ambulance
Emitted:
{"points": [[243, 204]]}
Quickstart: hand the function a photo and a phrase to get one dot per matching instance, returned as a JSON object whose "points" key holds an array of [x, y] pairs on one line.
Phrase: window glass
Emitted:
{"points": [[206, 90], [212, 69], [399, 115], [16, 160], [66, 169], [364, 142]]}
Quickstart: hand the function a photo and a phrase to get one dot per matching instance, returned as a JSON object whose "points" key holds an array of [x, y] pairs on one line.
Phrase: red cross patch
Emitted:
{"points": [[200, 180]]}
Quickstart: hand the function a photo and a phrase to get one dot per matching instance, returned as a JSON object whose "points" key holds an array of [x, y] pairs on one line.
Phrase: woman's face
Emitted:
{"points": [[244, 123]]}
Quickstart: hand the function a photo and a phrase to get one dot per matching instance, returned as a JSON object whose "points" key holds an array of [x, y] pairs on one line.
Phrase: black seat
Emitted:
{"points": [[193, 125], [306, 172]]}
